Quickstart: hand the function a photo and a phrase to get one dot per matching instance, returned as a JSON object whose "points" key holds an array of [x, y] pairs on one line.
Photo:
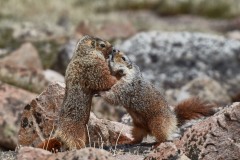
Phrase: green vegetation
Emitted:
{"points": [[207, 8], [7, 39], [36, 10]]}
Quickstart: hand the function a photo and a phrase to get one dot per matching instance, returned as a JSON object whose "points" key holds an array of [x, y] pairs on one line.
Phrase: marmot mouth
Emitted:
{"points": [[109, 52]]}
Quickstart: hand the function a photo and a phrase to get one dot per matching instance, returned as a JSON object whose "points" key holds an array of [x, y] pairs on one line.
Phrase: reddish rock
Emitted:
{"points": [[109, 30], [24, 57], [23, 68], [167, 150], [12, 102], [129, 157], [39, 121], [30, 153], [217, 137]]}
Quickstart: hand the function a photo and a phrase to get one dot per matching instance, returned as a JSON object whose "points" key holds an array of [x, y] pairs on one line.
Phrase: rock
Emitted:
{"points": [[109, 30], [39, 121], [129, 157], [64, 56], [30, 153], [85, 154], [10, 155], [234, 34], [28, 31], [171, 59], [12, 102], [104, 132], [18, 69], [166, 150], [217, 137], [53, 76], [104, 110], [23, 58], [205, 88], [127, 119]]}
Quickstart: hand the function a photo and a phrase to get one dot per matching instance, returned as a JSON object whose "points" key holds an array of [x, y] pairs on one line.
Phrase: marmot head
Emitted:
{"points": [[119, 63], [88, 43]]}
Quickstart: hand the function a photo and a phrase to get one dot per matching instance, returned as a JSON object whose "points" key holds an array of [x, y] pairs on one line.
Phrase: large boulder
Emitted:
{"points": [[39, 121], [217, 137], [204, 87], [171, 59], [23, 68], [12, 102]]}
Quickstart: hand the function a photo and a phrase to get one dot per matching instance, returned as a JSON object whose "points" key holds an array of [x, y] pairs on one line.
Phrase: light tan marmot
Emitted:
{"points": [[86, 74], [149, 110]]}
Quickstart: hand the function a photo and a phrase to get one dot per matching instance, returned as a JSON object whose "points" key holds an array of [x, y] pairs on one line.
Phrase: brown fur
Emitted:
{"points": [[149, 110], [193, 108], [86, 74], [53, 145]]}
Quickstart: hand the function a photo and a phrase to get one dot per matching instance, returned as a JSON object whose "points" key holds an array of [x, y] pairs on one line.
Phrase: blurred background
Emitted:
{"points": [[185, 47]]}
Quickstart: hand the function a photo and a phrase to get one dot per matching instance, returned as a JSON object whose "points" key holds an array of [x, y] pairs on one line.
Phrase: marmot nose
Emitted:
{"points": [[114, 50]]}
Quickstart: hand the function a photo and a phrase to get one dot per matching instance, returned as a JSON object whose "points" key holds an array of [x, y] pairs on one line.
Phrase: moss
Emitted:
{"points": [[207, 8], [7, 40], [220, 9], [112, 5]]}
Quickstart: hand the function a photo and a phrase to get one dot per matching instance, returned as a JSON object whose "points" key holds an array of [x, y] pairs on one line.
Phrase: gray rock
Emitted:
{"points": [[171, 59], [217, 137], [10, 155], [64, 56], [205, 88], [53, 76], [127, 119]]}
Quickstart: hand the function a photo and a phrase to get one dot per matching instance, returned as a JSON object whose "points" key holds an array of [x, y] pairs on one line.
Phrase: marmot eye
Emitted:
{"points": [[123, 58], [102, 45]]}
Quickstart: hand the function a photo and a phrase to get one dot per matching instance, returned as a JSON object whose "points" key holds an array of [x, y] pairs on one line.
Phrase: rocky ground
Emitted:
{"points": [[182, 64], [182, 55]]}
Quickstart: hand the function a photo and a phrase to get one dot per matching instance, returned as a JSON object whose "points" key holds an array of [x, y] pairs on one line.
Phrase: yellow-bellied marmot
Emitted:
{"points": [[149, 110], [86, 74]]}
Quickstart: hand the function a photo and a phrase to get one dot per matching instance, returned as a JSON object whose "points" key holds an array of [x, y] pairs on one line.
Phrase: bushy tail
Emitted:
{"points": [[52, 145], [193, 108]]}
